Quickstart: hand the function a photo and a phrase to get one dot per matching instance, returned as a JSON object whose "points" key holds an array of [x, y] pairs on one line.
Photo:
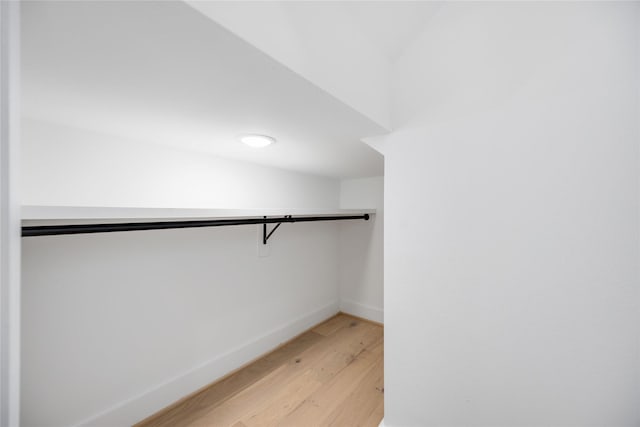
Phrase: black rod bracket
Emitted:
{"points": [[265, 236]]}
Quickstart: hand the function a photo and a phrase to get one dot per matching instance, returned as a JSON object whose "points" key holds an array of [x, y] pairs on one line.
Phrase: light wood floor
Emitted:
{"points": [[332, 375]]}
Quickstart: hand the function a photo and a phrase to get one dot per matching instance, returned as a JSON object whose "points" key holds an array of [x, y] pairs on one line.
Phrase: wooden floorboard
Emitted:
{"points": [[330, 375]]}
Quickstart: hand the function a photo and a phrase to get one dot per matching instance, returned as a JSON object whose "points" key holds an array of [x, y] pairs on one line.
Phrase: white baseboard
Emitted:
{"points": [[362, 310], [138, 407], [381, 423]]}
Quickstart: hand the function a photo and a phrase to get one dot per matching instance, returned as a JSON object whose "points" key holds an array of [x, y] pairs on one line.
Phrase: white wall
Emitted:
{"points": [[361, 263], [9, 214], [316, 40], [69, 166], [512, 294], [117, 326]]}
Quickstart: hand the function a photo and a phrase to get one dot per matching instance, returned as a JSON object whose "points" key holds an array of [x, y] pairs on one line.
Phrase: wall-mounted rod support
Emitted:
{"points": [[265, 236], [54, 230]]}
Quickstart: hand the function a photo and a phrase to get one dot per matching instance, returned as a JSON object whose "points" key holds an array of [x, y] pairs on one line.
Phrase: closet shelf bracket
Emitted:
{"points": [[265, 236]]}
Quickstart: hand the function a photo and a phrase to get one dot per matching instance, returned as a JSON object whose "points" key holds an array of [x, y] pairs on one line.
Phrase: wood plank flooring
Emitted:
{"points": [[331, 375]]}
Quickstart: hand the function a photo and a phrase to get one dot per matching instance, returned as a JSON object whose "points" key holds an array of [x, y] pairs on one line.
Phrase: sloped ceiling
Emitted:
{"points": [[390, 25], [162, 72], [316, 39]]}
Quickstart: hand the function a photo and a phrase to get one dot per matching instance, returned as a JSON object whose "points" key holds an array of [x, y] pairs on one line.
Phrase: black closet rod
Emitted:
{"points": [[54, 230]]}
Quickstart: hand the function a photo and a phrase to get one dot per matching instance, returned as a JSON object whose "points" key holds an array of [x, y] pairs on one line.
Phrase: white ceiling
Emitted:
{"points": [[390, 25], [161, 72]]}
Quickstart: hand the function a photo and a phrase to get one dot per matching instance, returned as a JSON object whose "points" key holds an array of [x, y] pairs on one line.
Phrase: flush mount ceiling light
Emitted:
{"points": [[257, 141]]}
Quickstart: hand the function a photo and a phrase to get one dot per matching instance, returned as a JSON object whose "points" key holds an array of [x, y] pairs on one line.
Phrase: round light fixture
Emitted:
{"points": [[257, 141]]}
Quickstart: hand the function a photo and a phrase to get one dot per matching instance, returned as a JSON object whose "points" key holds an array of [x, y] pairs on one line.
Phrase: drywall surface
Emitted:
{"points": [[161, 72], [69, 166], [10, 214], [316, 40], [511, 203], [361, 263], [117, 326]]}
